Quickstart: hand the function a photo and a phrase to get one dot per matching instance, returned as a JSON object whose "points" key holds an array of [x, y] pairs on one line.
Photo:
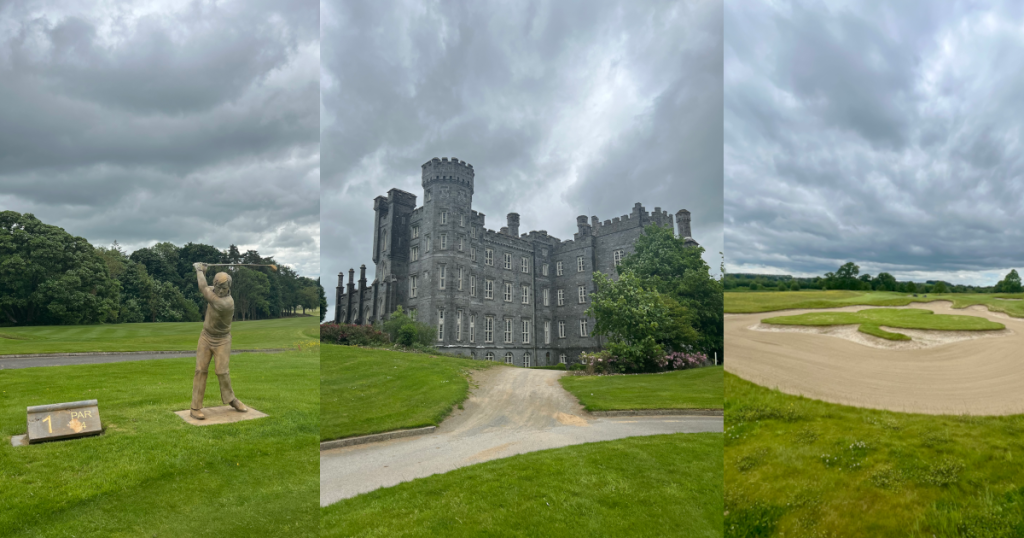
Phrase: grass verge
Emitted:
{"points": [[801, 467], [662, 485], [261, 334], [870, 321], [151, 474], [364, 391], [748, 302], [700, 388]]}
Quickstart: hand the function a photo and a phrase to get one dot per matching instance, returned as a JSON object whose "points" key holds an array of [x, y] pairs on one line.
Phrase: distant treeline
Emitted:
{"points": [[49, 277], [848, 277]]}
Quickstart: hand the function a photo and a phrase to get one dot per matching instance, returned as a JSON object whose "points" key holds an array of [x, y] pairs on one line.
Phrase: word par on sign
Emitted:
{"points": [[63, 421]]}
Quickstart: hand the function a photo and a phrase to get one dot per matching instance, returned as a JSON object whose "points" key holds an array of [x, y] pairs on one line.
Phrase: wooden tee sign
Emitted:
{"points": [[63, 421]]}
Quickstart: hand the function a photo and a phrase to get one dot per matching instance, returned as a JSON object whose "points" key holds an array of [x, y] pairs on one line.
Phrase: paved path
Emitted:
{"points": [[979, 377], [68, 360], [513, 411]]}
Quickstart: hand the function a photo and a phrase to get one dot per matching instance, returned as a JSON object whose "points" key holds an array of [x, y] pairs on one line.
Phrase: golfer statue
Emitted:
{"points": [[214, 341]]}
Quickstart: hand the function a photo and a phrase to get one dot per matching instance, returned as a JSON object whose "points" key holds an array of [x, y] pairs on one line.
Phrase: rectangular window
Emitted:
{"points": [[458, 326], [583, 327], [426, 195], [444, 217], [544, 269], [579, 264], [412, 286], [384, 240], [547, 332], [489, 257], [526, 295], [508, 292], [461, 241], [461, 270], [561, 358], [561, 329], [526, 265], [558, 268], [472, 329], [444, 242], [415, 232], [508, 358], [462, 220], [617, 255], [583, 294], [414, 253], [472, 253], [440, 325], [489, 329], [508, 261], [561, 297], [472, 286], [441, 274], [488, 289], [428, 244], [526, 331], [545, 294], [508, 330]]}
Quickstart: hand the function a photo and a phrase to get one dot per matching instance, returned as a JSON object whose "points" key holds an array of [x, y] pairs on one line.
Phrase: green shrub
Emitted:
{"points": [[407, 335]]}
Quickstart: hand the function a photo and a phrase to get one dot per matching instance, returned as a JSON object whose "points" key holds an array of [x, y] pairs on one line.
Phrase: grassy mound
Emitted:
{"points": [[700, 388], [367, 391], [870, 321], [801, 467], [150, 473], [748, 302], [662, 485]]}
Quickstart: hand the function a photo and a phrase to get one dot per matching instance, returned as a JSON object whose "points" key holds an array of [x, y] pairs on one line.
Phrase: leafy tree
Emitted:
{"points": [[1011, 283], [632, 317], [794, 286], [667, 265], [323, 300], [885, 282], [249, 289], [940, 287], [48, 276]]}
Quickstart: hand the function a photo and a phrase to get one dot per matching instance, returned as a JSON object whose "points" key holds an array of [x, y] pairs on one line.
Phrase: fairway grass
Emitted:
{"points": [[870, 321], [661, 485], [150, 473], [261, 334], [366, 391], [801, 467], [700, 388], [751, 302]]}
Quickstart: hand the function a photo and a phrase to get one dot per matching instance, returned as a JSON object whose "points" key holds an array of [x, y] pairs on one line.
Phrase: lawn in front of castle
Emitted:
{"points": [[660, 485], [150, 473], [801, 467], [699, 388]]}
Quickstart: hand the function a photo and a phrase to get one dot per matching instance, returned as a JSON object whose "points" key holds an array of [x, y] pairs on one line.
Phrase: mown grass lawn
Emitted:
{"points": [[747, 302], [801, 467], [150, 473], [700, 388], [871, 320], [662, 485], [260, 334], [364, 391]]}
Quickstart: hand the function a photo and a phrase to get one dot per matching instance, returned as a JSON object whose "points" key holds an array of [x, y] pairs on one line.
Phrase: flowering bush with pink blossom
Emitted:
{"points": [[682, 361]]}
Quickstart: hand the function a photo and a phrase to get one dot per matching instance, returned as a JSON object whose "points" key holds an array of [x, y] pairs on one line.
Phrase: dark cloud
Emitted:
{"points": [[880, 132], [165, 122], [563, 109]]}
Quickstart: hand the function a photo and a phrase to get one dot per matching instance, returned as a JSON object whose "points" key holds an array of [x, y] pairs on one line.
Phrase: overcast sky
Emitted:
{"points": [[165, 121], [563, 109], [885, 133]]}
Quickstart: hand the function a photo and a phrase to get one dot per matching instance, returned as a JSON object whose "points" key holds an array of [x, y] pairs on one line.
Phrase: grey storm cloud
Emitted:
{"points": [[165, 121], [886, 133], [563, 108]]}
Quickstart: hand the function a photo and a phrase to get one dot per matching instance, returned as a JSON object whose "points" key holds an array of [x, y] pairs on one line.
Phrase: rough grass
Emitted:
{"points": [[151, 474], [747, 302], [700, 388], [870, 321], [801, 467], [261, 334], [662, 485], [366, 391]]}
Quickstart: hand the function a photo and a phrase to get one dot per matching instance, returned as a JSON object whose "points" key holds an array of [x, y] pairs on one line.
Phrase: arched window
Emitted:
{"points": [[366, 317], [489, 356], [526, 359], [508, 358]]}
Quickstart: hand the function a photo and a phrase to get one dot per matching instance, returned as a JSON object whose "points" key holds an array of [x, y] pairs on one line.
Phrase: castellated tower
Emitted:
{"points": [[390, 249]]}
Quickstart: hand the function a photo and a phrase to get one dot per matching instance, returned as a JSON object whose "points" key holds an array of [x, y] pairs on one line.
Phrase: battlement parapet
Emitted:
{"points": [[454, 170]]}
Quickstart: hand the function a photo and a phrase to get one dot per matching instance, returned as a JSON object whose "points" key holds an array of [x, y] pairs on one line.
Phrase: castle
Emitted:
{"points": [[491, 295]]}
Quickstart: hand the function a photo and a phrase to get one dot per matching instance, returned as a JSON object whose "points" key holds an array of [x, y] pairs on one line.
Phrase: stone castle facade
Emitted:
{"points": [[491, 295]]}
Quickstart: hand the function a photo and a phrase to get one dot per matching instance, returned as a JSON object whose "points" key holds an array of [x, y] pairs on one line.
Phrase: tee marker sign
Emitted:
{"points": [[63, 421]]}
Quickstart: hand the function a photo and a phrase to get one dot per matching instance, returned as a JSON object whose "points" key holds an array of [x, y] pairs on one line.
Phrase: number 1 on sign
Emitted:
{"points": [[49, 423]]}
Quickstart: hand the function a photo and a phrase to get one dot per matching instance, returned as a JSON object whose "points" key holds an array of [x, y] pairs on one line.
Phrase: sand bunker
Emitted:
{"points": [[939, 372]]}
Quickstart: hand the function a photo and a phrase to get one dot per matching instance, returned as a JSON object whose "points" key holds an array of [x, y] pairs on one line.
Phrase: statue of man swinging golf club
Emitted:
{"points": [[214, 341]]}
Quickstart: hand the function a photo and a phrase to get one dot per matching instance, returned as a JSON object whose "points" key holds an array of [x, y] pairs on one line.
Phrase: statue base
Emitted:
{"points": [[224, 414]]}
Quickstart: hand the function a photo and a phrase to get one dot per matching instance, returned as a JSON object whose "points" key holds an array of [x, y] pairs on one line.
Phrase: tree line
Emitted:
{"points": [[50, 277], [849, 277]]}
